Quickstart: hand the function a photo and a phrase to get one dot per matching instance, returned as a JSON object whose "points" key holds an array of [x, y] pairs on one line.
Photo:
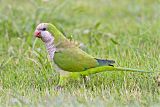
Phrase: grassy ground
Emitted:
{"points": [[125, 30]]}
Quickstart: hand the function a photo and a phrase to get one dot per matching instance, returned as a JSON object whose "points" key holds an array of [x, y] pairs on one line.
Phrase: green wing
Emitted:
{"points": [[74, 60]]}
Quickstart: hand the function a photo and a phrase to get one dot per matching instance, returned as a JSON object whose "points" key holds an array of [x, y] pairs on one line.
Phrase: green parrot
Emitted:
{"points": [[67, 55]]}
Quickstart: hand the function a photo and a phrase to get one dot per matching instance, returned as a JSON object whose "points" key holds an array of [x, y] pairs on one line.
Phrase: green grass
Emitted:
{"points": [[127, 31]]}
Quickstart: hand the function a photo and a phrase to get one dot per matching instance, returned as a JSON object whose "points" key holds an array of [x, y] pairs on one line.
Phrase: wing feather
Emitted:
{"points": [[74, 59]]}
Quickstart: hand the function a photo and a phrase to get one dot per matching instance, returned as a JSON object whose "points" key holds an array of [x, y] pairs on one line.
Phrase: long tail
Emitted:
{"points": [[128, 69], [109, 68]]}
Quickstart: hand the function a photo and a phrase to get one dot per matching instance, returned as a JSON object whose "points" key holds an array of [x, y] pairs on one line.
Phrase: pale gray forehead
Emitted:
{"points": [[42, 25]]}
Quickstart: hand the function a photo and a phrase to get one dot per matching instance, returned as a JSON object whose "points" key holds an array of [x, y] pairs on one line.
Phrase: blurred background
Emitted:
{"points": [[127, 31]]}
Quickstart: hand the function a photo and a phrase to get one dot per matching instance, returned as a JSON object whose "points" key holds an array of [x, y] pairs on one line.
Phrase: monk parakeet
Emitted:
{"points": [[67, 55]]}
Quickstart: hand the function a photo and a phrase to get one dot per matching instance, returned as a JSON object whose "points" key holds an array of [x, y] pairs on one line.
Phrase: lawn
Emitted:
{"points": [[127, 31]]}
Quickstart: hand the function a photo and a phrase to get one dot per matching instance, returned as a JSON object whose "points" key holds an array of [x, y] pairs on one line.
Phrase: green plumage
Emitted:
{"points": [[68, 55], [74, 60]]}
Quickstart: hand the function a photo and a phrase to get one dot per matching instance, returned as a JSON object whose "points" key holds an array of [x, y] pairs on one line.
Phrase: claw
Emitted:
{"points": [[58, 88]]}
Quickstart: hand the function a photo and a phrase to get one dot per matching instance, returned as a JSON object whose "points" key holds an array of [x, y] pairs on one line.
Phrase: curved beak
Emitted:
{"points": [[37, 34]]}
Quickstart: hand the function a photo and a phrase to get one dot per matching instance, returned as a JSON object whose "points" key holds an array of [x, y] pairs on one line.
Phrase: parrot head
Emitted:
{"points": [[43, 32], [48, 32]]}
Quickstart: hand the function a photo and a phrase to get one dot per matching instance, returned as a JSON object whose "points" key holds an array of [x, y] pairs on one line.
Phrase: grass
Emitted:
{"points": [[124, 30]]}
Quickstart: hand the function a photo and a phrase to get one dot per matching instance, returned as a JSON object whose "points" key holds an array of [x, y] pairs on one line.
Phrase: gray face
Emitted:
{"points": [[47, 38], [41, 32]]}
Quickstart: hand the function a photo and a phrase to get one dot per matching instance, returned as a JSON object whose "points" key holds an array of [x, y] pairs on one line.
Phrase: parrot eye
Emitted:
{"points": [[43, 29]]}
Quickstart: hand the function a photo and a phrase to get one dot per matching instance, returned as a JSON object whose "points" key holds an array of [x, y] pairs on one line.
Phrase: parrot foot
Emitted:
{"points": [[158, 80], [58, 88], [86, 78]]}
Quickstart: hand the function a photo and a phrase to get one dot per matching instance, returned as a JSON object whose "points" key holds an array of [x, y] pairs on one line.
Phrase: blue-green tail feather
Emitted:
{"points": [[103, 62]]}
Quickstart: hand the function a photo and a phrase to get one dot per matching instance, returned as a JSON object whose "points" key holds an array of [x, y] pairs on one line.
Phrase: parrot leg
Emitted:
{"points": [[60, 84], [65, 77], [158, 80]]}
